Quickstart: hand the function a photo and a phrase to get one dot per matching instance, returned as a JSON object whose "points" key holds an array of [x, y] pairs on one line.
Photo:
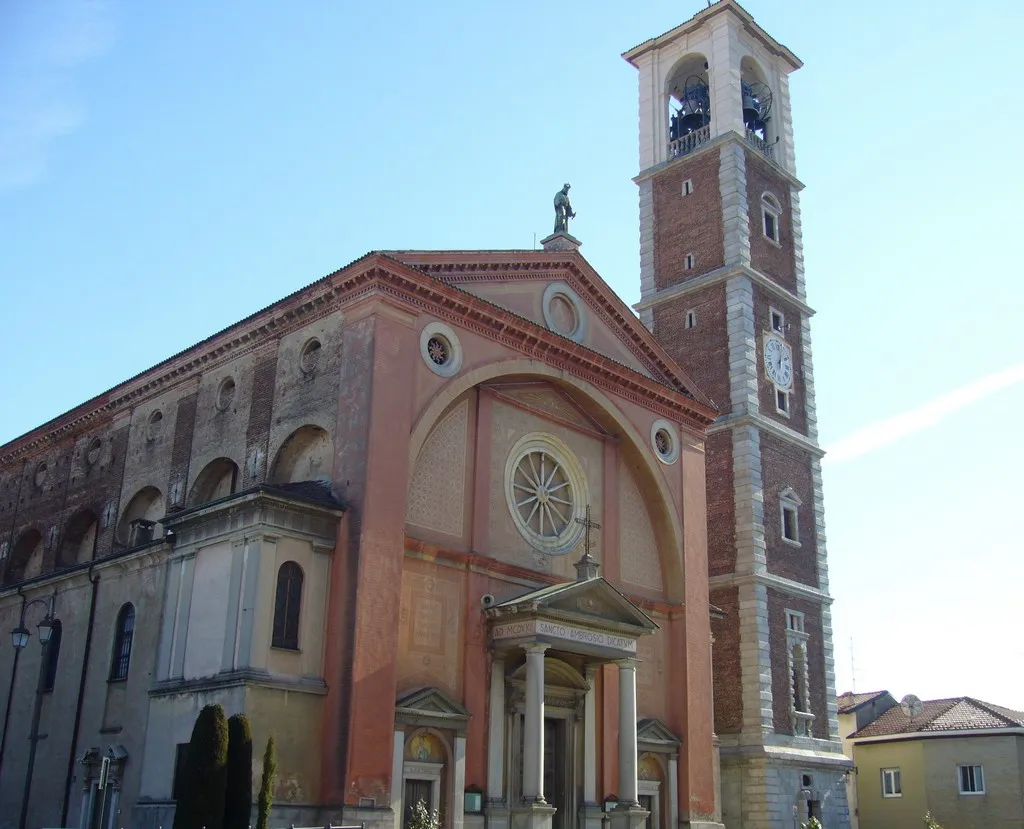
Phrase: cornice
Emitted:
{"points": [[723, 275], [766, 424], [787, 586], [395, 281]]}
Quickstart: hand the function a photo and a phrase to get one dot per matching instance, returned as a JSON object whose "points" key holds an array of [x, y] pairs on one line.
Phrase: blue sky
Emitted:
{"points": [[166, 169]]}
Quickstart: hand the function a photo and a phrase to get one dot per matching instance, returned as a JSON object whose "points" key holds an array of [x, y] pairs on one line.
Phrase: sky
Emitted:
{"points": [[167, 169]]}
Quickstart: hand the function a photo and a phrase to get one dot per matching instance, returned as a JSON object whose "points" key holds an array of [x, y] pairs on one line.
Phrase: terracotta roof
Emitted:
{"points": [[938, 715], [850, 702]]}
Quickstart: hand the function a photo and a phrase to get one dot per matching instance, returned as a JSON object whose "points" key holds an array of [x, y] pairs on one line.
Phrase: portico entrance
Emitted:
{"points": [[542, 743]]}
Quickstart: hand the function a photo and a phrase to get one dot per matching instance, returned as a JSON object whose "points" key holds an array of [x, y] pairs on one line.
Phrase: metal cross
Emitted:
{"points": [[590, 525]]}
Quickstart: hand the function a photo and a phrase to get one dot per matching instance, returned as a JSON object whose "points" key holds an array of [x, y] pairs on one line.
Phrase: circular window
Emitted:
{"points": [[665, 441], [225, 394], [40, 476], [309, 361], [92, 453], [546, 491], [154, 425], [440, 349], [563, 311]]}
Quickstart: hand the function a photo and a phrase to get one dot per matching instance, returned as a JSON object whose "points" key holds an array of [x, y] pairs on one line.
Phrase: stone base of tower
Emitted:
{"points": [[781, 787]]}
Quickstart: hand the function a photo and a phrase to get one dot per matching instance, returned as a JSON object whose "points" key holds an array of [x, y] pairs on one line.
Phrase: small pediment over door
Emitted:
{"points": [[431, 707], [592, 601], [653, 735]]}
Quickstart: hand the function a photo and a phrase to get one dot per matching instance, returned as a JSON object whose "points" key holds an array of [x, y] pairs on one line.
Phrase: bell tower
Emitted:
{"points": [[722, 288]]}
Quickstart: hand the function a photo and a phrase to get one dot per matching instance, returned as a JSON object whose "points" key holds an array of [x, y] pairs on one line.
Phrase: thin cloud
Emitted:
{"points": [[885, 432], [42, 46]]}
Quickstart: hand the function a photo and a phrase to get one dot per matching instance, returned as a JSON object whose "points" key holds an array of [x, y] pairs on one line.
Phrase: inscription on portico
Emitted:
{"points": [[557, 630]]}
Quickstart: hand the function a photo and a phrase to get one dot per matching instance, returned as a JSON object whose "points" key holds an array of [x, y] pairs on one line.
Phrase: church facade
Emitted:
{"points": [[457, 527]]}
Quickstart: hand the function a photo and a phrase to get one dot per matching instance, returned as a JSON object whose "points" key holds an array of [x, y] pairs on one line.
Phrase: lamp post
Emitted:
{"points": [[19, 638]]}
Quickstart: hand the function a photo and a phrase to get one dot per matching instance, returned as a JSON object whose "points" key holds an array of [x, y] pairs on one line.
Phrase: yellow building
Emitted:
{"points": [[960, 759]]}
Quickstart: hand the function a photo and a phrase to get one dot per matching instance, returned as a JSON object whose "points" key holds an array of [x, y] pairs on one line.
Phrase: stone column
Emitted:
{"points": [[673, 791], [496, 733], [591, 816], [459, 783], [533, 734], [397, 781], [627, 734]]}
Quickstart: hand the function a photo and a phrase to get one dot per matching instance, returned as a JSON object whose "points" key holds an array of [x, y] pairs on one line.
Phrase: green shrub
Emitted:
{"points": [[266, 797], [423, 818], [201, 800], [238, 791]]}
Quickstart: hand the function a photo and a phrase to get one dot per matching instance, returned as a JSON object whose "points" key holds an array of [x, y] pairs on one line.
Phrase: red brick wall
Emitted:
{"points": [[778, 603], [257, 434], [763, 302], [726, 662], [687, 224], [184, 426], [703, 351], [784, 465], [772, 260], [721, 505]]}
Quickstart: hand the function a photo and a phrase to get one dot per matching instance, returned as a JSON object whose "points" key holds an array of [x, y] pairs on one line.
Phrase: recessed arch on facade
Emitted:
{"points": [[140, 520], [78, 543], [218, 479], [307, 454], [26, 559], [634, 448]]}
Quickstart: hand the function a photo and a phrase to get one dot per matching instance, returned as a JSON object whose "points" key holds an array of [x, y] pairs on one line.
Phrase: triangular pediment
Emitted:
{"points": [[561, 292], [547, 400], [430, 704], [653, 732], [593, 602]]}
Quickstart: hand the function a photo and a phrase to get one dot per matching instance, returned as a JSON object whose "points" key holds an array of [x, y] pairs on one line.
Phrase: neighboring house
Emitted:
{"points": [[855, 712], [960, 759]]}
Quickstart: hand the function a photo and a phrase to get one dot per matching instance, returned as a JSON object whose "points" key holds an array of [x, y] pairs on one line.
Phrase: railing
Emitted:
{"points": [[689, 142], [758, 143]]}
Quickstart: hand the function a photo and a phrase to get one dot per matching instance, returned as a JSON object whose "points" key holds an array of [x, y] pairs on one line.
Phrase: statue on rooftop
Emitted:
{"points": [[563, 210]]}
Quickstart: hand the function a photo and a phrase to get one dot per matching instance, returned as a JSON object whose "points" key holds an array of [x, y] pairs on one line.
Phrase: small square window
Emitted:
{"points": [[891, 783], [688, 187], [782, 401], [972, 780], [790, 529], [795, 620], [778, 320], [691, 319], [689, 262]]}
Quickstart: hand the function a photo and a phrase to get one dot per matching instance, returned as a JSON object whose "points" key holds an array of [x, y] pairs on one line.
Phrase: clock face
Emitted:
{"points": [[778, 362]]}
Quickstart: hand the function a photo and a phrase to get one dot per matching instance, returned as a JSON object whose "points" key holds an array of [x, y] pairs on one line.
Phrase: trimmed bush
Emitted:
{"points": [[266, 798], [238, 791], [201, 800]]}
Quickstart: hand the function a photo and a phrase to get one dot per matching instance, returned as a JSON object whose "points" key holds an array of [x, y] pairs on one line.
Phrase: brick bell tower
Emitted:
{"points": [[722, 288]]}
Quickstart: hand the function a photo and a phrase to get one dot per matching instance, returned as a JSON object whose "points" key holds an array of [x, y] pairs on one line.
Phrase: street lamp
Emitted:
{"points": [[19, 638]]}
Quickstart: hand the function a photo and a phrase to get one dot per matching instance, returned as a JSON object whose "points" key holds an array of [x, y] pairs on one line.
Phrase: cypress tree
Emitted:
{"points": [[201, 801], [238, 792], [266, 798]]}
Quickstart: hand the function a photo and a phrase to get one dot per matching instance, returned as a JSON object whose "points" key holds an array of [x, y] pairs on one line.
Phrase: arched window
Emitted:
{"points": [[123, 635], [52, 655], [287, 606]]}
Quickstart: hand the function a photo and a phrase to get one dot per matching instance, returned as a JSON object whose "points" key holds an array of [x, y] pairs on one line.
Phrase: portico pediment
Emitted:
{"points": [[582, 615]]}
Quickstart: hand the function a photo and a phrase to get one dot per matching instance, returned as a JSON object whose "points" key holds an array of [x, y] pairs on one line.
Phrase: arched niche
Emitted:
{"points": [[307, 455], [140, 521], [758, 94], [634, 448], [218, 479], [79, 539], [26, 559], [687, 91]]}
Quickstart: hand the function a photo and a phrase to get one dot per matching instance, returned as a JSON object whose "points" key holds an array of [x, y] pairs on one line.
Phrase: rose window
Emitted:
{"points": [[663, 442], [438, 350], [546, 491]]}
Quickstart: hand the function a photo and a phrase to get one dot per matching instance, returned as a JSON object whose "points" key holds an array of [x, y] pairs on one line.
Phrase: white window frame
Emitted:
{"points": [[979, 777], [896, 784], [772, 314], [782, 401], [689, 262], [688, 187], [770, 206], [795, 621], [789, 501], [691, 319]]}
